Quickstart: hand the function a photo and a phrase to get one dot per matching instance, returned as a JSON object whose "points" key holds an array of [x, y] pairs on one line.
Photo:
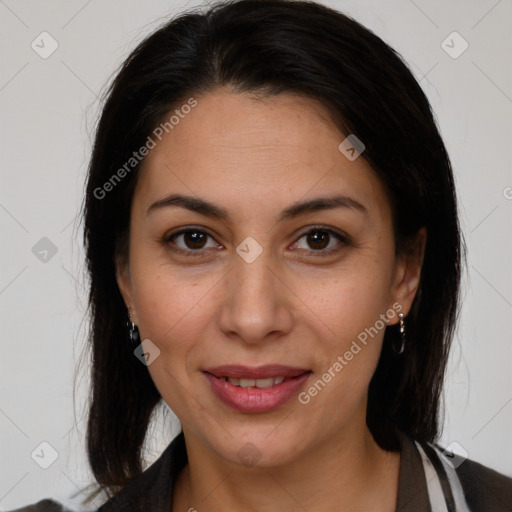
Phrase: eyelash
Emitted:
{"points": [[344, 239]]}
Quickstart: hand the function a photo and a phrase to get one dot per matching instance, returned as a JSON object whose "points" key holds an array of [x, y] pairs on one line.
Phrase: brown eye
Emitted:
{"points": [[320, 241], [190, 242], [194, 239]]}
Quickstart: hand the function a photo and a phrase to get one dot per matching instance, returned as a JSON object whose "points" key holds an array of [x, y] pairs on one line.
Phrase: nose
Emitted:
{"points": [[257, 302]]}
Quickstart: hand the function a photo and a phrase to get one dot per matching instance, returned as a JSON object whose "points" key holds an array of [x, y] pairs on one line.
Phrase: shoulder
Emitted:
{"points": [[43, 506], [461, 480], [151, 490], [484, 488]]}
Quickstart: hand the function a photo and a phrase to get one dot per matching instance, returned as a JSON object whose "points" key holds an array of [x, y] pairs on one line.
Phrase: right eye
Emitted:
{"points": [[193, 241]]}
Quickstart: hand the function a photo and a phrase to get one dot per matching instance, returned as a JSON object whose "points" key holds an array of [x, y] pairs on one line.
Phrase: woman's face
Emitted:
{"points": [[259, 288]]}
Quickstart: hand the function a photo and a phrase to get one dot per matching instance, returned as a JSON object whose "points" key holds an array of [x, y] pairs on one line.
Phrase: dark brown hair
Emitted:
{"points": [[273, 47]]}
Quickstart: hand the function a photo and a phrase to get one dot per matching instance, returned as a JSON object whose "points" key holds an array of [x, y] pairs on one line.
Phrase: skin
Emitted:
{"points": [[254, 157]]}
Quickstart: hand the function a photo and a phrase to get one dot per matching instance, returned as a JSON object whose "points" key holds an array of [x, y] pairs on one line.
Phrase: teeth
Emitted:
{"points": [[265, 383], [250, 383], [247, 383]]}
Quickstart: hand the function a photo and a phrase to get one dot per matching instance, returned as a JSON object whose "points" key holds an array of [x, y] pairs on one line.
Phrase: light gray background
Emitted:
{"points": [[48, 110]]}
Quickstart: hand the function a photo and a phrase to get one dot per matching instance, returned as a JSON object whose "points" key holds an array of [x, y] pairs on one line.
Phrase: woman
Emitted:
{"points": [[271, 210]]}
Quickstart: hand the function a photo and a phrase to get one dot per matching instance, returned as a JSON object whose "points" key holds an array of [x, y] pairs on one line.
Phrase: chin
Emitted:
{"points": [[267, 446]]}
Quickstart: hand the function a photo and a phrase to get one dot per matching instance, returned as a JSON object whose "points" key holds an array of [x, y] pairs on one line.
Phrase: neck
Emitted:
{"points": [[348, 473]]}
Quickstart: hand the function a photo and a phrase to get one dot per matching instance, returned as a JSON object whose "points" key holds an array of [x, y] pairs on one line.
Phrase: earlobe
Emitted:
{"points": [[408, 272]]}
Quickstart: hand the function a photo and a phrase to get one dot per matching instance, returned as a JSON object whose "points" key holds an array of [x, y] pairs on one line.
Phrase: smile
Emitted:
{"points": [[251, 383], [255, 390]]}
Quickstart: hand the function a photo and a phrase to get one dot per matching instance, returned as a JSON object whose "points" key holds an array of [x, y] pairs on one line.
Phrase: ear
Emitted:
{"points": [[408, 271], [125, 286]]}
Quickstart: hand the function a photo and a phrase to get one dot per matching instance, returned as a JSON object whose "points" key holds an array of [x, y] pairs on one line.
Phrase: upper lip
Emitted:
{"points": [[255, 372]]}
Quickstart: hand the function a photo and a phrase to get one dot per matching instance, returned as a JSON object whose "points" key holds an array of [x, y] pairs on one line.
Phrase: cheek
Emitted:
{"points": [[174, 309], [164, 295], [355, 335], [353, 301], [170, 312], [169, 309], [352, 308]]}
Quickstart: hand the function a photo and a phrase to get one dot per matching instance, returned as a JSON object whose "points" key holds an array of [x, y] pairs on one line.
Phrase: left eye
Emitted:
{"points": [[194, 240], [319, 240]]}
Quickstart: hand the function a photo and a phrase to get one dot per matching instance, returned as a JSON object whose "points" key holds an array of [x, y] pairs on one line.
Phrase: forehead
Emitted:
{"points": [[256, 152]]}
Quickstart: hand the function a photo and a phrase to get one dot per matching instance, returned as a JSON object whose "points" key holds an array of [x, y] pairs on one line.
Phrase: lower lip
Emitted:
{"points": [[253, 400]]}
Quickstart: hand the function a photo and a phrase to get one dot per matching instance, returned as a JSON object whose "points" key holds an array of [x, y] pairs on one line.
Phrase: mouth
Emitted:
{"points": [[270, 382], [255, 389]]}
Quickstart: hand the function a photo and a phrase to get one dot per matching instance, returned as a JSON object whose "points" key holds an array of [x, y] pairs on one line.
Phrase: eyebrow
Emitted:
{"points": [[214, 211]]}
